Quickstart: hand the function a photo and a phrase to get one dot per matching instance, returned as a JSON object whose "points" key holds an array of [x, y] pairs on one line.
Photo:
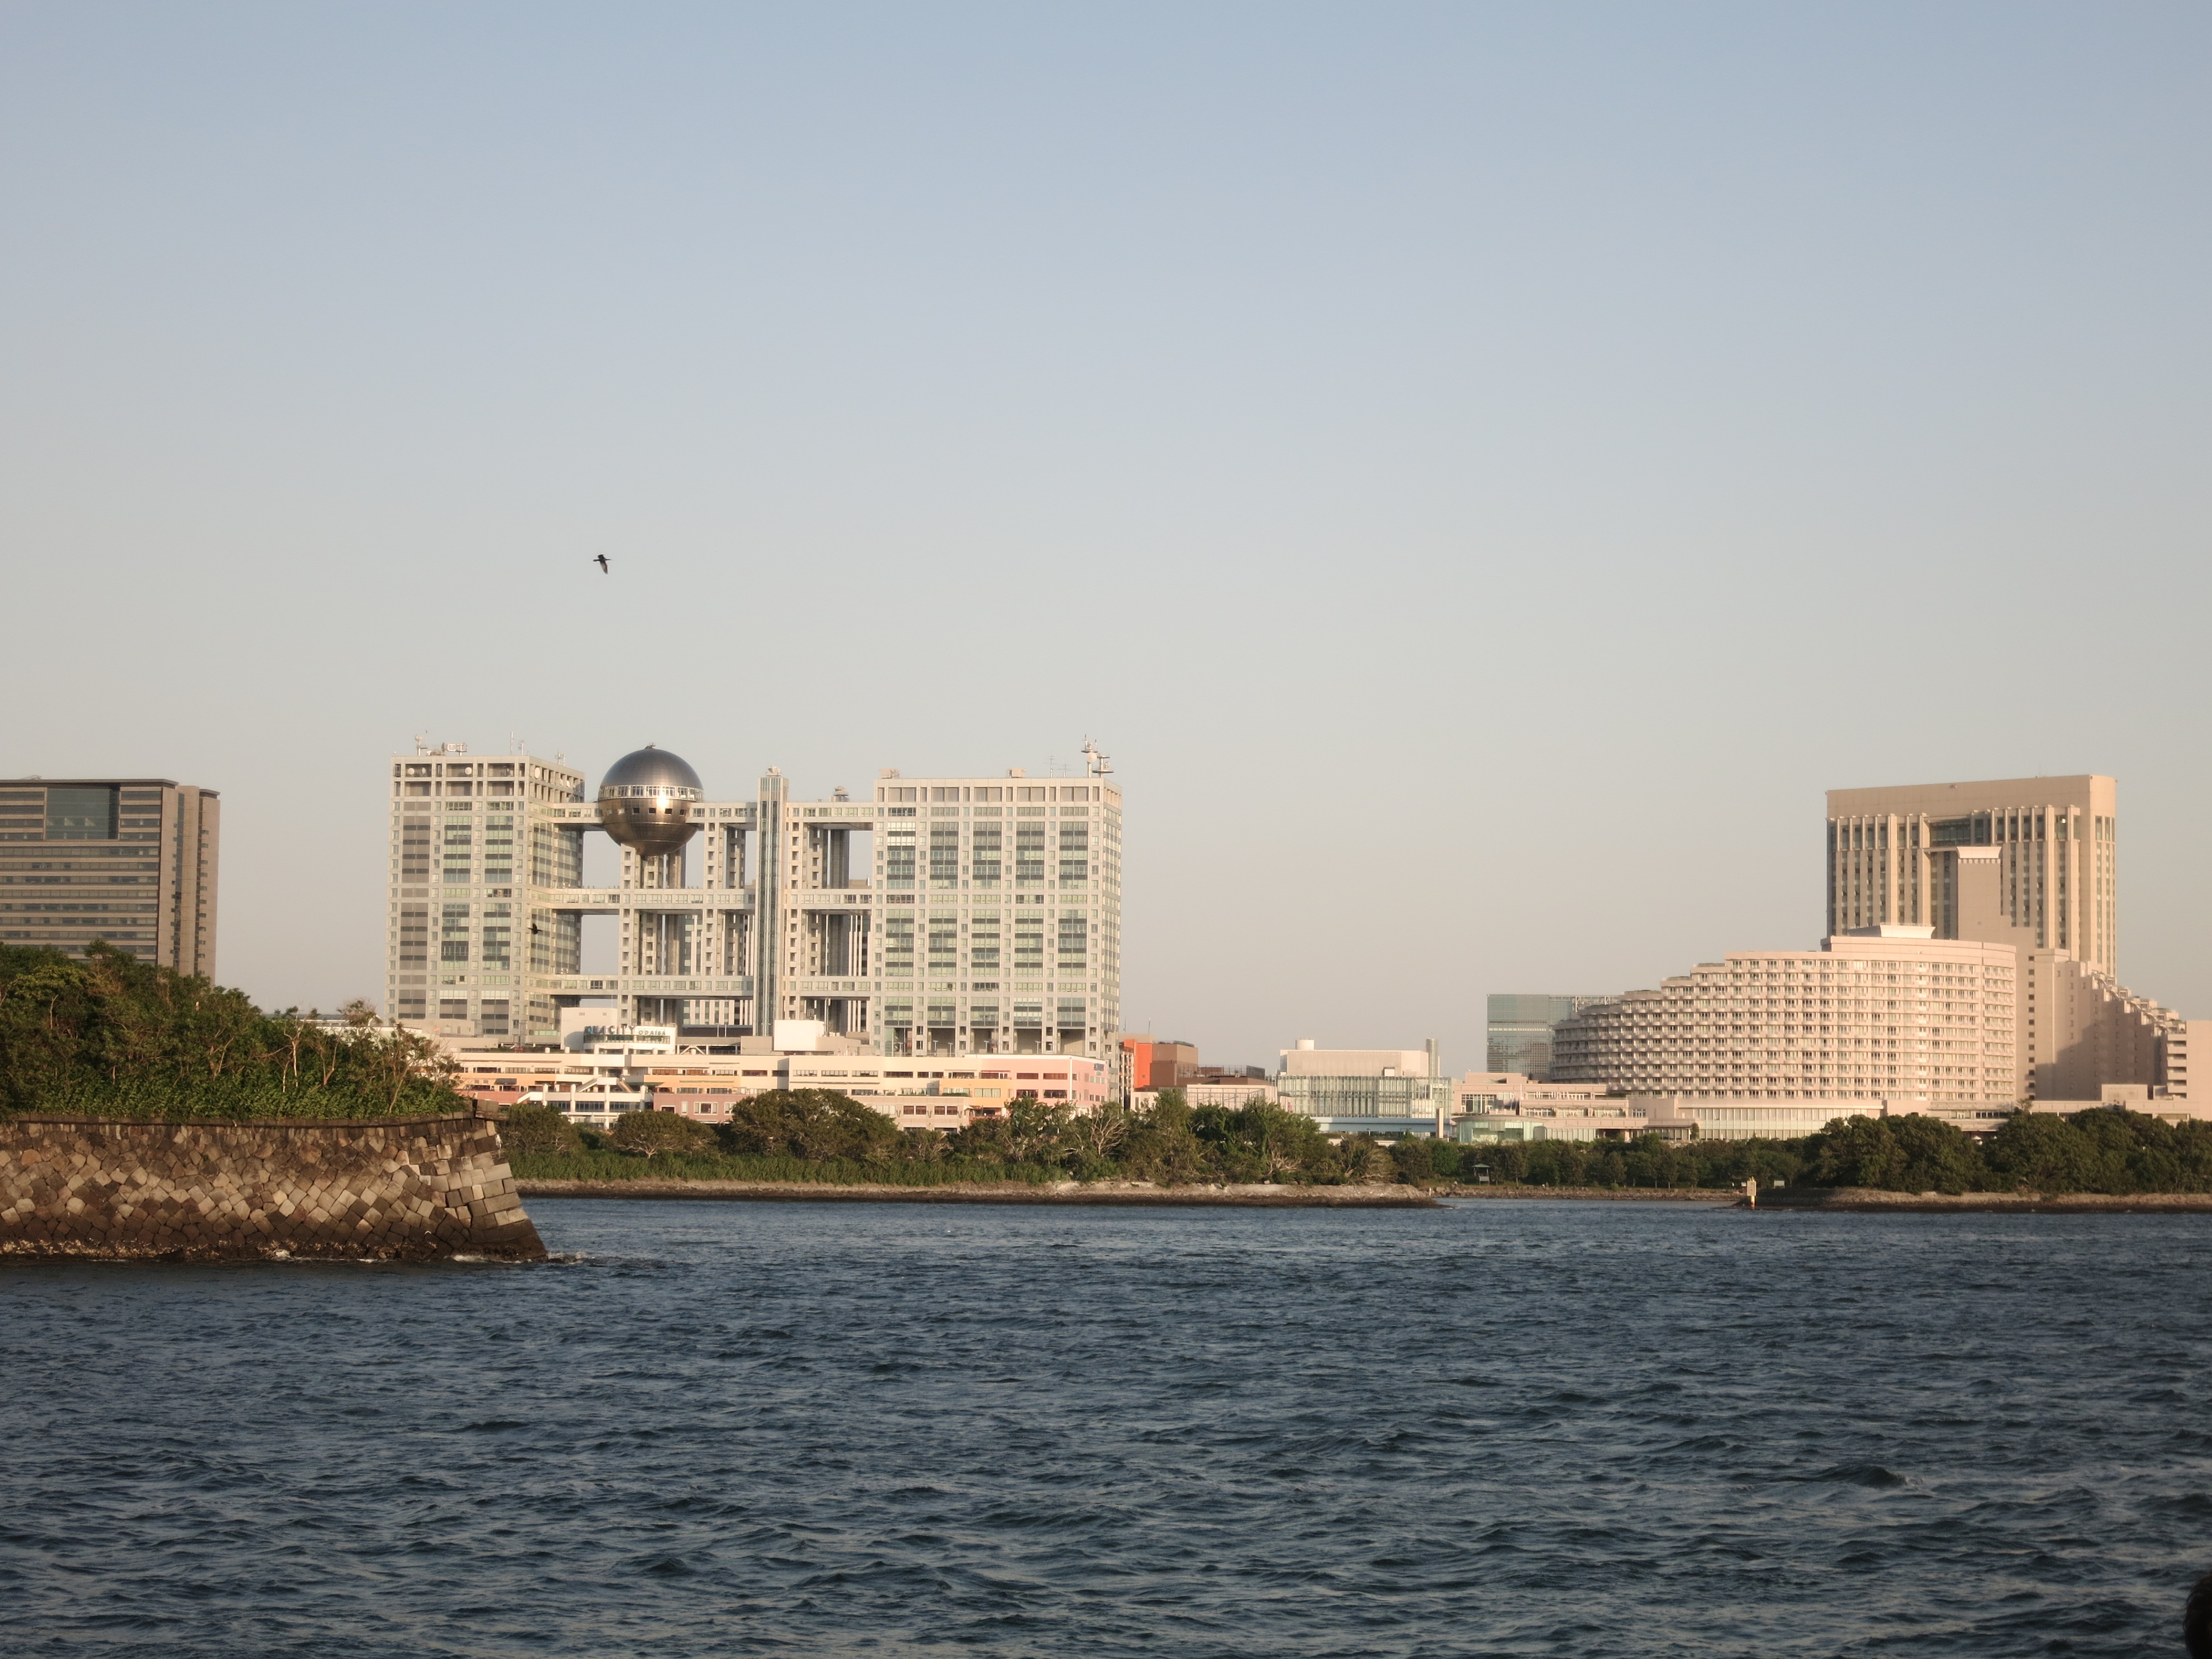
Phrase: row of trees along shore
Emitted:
{"points": [[811, 1134], [113, 1037]]}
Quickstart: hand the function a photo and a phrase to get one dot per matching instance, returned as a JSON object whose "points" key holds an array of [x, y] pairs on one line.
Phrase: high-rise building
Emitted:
{"points": [[472, 835], [131, 860], [1521, 1027], [946, 915], [2031, 861]]}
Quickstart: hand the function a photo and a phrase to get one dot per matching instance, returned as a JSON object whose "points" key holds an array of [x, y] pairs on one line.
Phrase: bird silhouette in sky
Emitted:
{"points": [[602, 562]]}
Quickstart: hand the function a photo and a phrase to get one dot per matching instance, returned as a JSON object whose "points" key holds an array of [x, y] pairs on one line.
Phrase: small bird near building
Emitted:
{"points": [[601, 560]]}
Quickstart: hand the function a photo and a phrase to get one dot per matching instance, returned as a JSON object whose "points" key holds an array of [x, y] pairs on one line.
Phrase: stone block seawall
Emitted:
{"points": [[400, 1188]]}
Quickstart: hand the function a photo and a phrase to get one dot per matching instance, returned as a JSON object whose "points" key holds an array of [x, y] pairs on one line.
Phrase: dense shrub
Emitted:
{"points": [[112, 1036], [2101, 1151], [1909, 1154]]}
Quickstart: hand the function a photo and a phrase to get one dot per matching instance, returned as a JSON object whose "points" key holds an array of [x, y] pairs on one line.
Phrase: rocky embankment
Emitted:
{"points": [[408, 1188]]}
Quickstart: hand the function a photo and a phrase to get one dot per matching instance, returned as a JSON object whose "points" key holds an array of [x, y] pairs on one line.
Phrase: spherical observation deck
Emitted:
{"points": [[645, 801]]}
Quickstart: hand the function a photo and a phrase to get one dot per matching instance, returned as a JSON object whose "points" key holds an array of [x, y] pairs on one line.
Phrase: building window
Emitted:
{"points": [[945, 854], [80, 814], [454, 934]]}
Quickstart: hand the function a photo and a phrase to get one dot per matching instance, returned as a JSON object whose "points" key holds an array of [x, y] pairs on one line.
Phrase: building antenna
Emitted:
{"points": [[422, 743], [1095, 763]]}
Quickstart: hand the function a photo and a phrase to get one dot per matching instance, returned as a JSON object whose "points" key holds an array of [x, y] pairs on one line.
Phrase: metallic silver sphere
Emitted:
{"points": [[645, 801]]}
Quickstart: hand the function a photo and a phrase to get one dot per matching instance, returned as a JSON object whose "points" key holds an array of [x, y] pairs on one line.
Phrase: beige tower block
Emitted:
{"points": [[2029, 861]]}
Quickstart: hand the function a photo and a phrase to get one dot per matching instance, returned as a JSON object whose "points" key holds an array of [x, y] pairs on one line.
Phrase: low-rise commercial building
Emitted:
{"points": [[1365, 1090], [611, 1071], [1670, 1117]]}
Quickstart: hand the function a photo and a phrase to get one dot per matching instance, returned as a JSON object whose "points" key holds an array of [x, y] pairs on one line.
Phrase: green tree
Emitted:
{"points": [[1856, 1152], [529, 1128], [1034, 1128], [654, 1133], [1939, 1157], [810, 1123]]}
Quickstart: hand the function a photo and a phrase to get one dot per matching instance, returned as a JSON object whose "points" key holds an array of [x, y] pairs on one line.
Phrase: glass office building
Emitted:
{"points": [[1521, 1026]]}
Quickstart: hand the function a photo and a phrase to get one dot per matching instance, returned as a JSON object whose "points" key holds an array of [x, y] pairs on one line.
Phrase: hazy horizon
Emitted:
{"points": [[1481, 472]]}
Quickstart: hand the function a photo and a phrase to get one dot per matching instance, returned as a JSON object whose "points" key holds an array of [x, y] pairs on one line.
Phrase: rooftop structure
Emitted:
{"points": [[131, 861]]}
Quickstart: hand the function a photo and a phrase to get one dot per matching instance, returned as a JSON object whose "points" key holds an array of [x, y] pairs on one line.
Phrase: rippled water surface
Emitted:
{"points": [[1499, 1428]]}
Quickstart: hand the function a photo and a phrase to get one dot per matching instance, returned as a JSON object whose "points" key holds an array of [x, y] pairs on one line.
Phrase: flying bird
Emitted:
{"points": [[602, 562]]}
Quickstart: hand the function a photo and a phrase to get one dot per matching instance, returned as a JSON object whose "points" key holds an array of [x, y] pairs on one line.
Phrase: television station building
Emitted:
{"points": [[945, 917]]}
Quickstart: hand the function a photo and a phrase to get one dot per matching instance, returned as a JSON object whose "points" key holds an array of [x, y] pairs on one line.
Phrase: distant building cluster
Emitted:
{"points": [[1970, 970], [948, 947]]}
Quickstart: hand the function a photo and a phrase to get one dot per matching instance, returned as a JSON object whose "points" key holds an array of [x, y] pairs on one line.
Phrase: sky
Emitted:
{"points": [[1482, 472]]}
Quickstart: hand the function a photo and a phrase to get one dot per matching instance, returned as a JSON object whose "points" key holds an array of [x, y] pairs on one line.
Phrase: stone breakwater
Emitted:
{"points": [[994, 1192], [405, 1189]]}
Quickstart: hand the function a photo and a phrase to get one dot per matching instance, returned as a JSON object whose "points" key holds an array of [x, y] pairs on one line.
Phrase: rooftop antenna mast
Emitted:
{"points": [[1095, 763], [422, 743]]}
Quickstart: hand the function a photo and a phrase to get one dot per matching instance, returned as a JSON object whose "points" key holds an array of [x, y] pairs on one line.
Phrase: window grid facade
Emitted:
{"points": [[1877, 1018], [130, 861]]}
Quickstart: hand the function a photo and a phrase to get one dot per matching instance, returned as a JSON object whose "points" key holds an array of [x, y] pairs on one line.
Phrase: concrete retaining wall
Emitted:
{"points": [[405, 1189]]}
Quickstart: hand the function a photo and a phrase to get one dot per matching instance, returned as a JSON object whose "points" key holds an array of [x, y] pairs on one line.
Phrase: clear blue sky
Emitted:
{"points": [[1482, 470]]}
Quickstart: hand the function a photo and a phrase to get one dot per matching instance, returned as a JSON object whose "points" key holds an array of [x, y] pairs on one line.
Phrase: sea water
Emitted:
{"points": [[1500, 1427]]}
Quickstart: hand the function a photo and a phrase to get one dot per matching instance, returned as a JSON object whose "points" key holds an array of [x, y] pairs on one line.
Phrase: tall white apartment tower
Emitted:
{"points": [[943, 916]]}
